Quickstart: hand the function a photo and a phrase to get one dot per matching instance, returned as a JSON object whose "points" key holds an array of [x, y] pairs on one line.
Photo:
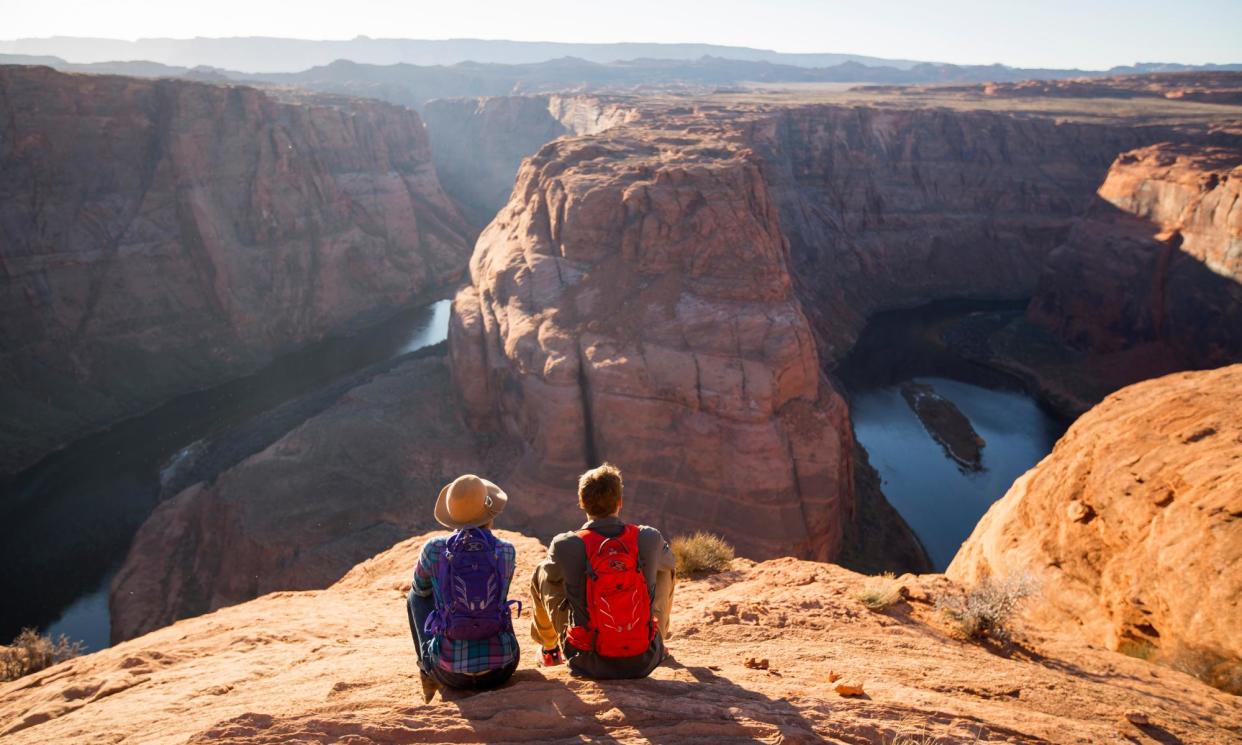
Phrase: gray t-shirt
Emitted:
{"points": [[567, 554]]}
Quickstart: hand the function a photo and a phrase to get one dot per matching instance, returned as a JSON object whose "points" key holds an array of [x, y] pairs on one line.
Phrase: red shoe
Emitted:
{"points": [[552, 657]]}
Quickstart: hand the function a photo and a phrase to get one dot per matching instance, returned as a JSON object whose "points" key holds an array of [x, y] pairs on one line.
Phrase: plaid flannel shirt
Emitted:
{"points": [[476, 656]]}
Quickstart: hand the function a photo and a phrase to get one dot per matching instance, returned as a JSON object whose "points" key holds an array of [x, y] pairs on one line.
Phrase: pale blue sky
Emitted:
{"points": [[1028, 33]]}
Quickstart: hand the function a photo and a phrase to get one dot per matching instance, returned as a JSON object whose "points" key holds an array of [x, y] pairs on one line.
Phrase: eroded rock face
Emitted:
{"points": [[479, 143], [897, 208], [338, 665], [633, 303], [159, 236], [1134, 525], [1158, 262], [644, 296]]}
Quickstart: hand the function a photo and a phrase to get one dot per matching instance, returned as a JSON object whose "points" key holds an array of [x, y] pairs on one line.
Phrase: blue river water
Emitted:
{"points": [[941, 502]]}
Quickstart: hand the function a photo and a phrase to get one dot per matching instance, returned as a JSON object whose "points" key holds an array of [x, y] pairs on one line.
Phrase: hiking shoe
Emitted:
{"points": [[552, 657]]}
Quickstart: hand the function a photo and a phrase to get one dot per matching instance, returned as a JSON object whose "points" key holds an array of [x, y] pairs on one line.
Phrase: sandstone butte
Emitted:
{"points": [[1133, 525], [337, 665], [226, 227], [664, 293]]}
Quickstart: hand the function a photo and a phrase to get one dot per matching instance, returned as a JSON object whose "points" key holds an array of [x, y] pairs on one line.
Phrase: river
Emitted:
{"points": [[940, 500], [67, 522]]}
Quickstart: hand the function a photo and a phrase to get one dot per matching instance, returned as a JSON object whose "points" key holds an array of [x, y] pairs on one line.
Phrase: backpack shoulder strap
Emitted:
{"points": [[591, 540]]}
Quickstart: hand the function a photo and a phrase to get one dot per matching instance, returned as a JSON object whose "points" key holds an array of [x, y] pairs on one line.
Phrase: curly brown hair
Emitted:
{"points": [[599, 490]]}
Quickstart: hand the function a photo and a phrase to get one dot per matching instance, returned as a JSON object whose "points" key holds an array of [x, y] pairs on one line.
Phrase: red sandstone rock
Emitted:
{"points": [[633, 303], [1153, 570], [160, 236], [895, 208], [337, 665], [1157, 264]]}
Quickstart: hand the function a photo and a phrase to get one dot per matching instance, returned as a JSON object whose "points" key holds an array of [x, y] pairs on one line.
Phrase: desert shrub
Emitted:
{"points": [[986, 609], [701, 552], [927, 738], [878, 593], [30, 653]]}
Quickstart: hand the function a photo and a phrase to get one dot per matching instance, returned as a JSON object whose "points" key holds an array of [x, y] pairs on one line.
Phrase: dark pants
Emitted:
{"points": [[418, 609]]}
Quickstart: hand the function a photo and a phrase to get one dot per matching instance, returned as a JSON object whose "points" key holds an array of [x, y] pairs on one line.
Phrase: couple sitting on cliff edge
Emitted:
{"points": [[600, 598]]}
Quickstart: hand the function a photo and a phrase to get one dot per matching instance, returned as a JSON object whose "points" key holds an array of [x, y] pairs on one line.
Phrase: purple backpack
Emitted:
{"points": [[470, 589]]}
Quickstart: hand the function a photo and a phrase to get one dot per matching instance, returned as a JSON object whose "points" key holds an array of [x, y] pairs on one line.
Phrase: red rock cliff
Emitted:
{"points": [[897, 208], [1158, 263], [633, 303], [159, 236]]}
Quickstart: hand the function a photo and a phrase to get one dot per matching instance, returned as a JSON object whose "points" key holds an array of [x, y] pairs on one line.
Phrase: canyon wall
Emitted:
{"points": [[479, 143], [633, 303], [1157, 264], [1132, 525], [897, 208], [161, 236]]}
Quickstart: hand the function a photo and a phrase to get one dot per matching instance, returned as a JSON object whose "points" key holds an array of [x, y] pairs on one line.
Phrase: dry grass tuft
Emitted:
{"points": [[987, 608], [701, 552], [881, 592], [30, 653]]}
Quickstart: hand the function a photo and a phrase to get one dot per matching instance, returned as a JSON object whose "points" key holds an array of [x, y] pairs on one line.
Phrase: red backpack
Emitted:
{"points": [[620, 622]]}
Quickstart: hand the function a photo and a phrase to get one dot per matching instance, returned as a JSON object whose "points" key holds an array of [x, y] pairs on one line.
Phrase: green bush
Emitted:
{"points": [[30, 653], [701, 552]]}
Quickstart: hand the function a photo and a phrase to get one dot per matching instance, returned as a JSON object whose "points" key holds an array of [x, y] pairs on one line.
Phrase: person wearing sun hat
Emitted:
{"points": [[458, 610]]}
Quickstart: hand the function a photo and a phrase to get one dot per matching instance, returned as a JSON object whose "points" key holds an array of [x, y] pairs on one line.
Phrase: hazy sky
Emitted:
{"points": [[1028, 33]]}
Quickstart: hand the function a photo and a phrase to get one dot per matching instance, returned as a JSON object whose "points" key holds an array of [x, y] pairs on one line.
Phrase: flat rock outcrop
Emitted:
{"points": [[633, 303], [1156, 268], [161, 236], [337, 665], [301, 512], [1134, 525]]}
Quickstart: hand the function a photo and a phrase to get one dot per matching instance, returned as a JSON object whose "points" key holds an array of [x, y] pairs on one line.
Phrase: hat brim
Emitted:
{"points": [[496, 501]]}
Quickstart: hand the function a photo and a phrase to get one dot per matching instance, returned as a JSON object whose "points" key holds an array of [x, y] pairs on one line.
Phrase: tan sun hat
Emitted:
{"points": [[468, 502]]}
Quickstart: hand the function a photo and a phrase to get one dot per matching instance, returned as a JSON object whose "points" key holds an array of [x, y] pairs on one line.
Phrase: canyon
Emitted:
{"points": [[225, 228], [668, 292], [670, 283]]}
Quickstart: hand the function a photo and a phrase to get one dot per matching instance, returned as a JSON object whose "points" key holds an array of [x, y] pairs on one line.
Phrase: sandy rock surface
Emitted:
{"points": [[1133, 525], [337, 665]]}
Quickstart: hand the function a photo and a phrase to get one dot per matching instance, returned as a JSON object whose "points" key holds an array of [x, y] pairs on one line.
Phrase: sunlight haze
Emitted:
{"points": [[1089, 35]]}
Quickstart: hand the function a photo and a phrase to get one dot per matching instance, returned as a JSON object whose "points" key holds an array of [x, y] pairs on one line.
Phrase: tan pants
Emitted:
{"points": [[551, 617]]}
